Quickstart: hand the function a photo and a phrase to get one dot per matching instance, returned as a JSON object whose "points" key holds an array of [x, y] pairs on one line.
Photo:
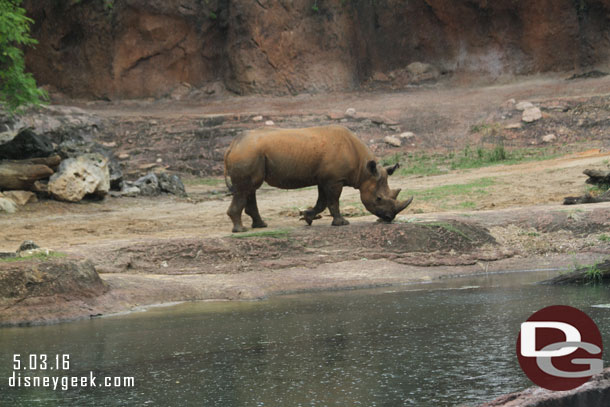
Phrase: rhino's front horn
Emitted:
{"points": [[400, 206]]}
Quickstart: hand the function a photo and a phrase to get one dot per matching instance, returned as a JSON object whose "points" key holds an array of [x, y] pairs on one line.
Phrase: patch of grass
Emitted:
{"points": [[593, 274], [476, 187], [604, 238], [432, 164], [275, 233], [35, 256], [467, 205]]}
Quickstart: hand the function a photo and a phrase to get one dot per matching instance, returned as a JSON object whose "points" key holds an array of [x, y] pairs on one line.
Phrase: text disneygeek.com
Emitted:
{"points": [[57, 363]]}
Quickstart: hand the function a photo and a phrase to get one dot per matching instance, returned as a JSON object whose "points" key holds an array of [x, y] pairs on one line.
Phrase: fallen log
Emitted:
{"points": [[21, 176], [597, 177], [51, 161], [586, 198]]}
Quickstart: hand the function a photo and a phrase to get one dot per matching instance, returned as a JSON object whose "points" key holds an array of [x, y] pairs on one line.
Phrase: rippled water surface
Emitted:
{"points": [[427, 345]]}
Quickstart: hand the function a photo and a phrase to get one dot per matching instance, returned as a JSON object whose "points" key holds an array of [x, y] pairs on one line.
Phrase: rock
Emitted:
{"points": [[26, 144], [549, 138], [20, 175], [531, 115], [171, 184], [269, 123], [350, 112], [130, 191], [124, 156], [407, 135], [159, 160], [595, 392], [7, 205], [181, 91], [392, 140], [21, 197], [421, 72], [523, 105], [148, 185], [27, 245], [257, 118], [77, 177], [513, 126], [74, 148], [380, 77]]}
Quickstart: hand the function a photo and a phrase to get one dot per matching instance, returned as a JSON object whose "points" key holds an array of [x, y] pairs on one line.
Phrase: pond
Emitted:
{"points": [[440, 344]]}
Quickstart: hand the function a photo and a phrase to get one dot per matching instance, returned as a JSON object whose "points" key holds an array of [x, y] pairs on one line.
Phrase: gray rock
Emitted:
{"points": [[7, 205], [77, 147], [171, 184], [27, 245], [531, 114], [148, 185], [524, 105], [350, 112], [393, 141], [77, 177], [407, 135], [549, 138], [421, 72], [26, 144]]}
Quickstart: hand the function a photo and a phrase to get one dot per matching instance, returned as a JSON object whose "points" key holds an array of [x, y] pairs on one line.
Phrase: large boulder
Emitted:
{"points": [[71, 148], [26, 144], [81, 176]]}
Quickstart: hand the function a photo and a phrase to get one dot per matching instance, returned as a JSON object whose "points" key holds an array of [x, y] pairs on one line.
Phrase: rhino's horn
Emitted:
{"points": [[400, 206]]}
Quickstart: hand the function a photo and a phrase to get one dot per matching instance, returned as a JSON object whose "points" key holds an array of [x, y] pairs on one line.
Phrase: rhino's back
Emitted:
{"points": [[294, 158]]}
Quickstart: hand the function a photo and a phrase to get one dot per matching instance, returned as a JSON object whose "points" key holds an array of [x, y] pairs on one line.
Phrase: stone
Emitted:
{"points": [[350, 112], [27, 245], [171, 184], [124, 156], [421, 72], [380, 77], [7, 205], [257, 118], [269, 123], [531, 115], [513, 126], [21, 197], [393, 141], [148, 185], [407, 135], [524, 105], [87, 174], [74, 148], [549, 138], [26, 144]]}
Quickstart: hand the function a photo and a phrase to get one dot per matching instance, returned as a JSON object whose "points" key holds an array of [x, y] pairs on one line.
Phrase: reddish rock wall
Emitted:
{"points": [[139, 48]]}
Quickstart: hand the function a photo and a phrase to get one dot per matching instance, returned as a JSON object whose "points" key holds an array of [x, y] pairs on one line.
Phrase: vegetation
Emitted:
{"points": [[433, 164], [42, 256], [17, 87], [275, 233]]}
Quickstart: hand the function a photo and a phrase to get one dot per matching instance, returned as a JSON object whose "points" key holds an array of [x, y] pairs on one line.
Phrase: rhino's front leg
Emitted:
{"points": [[333, 193], [310, 214]]}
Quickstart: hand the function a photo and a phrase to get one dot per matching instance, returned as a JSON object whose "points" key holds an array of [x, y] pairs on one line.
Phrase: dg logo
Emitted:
{"points": [[560, 348]]}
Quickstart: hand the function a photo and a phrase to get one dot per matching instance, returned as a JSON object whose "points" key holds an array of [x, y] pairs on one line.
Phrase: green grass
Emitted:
{"points": [[275, 233], [604, 238], [437, 163], [474, 188], [593, 274], [36, 256]]}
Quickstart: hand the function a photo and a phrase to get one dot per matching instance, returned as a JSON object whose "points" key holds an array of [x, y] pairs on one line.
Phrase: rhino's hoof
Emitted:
{"points": [[340, 222], [238, 229], [260, 224]]}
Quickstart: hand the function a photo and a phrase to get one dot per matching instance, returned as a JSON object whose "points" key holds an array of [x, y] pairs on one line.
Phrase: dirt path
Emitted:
{"points": [[163, 249]]}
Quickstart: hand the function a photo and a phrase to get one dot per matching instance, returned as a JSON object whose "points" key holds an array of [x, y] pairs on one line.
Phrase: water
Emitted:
{"points": [[425, 345]]}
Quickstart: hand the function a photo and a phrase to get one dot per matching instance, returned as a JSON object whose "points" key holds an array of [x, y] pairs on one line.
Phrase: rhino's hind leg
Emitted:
{"points": [[237, 206], [312, 213], [333, 192], [252, 211]]}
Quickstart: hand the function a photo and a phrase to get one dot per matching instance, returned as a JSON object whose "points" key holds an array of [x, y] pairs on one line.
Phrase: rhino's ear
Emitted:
{"points": [[391, 169], [372, 167]]}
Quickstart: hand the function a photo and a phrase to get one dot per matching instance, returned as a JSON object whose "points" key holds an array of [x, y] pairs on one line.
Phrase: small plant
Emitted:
{"points": [[593, 274], [277, 233], [42, 256], [315, 7], [604, 238]]}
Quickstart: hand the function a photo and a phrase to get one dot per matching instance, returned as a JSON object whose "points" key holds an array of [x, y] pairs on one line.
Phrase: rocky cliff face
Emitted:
{"points": [[140, 48]]}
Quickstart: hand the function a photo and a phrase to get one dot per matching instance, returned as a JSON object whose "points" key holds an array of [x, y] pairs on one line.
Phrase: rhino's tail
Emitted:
{"points": [[227, 180]]}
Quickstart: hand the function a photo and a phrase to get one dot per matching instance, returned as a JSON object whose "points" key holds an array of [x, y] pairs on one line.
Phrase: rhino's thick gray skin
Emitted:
{"points": [[330, 157]]}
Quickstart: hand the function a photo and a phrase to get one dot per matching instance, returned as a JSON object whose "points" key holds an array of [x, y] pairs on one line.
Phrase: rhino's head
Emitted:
{"points": [[377, 197]]}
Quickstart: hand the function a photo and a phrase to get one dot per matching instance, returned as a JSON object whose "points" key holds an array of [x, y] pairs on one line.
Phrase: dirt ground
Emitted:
{"points": [[497, 218]]}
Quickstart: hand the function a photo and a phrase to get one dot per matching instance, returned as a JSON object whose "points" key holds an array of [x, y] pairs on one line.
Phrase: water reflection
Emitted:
{"points": [[431, 345]]}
